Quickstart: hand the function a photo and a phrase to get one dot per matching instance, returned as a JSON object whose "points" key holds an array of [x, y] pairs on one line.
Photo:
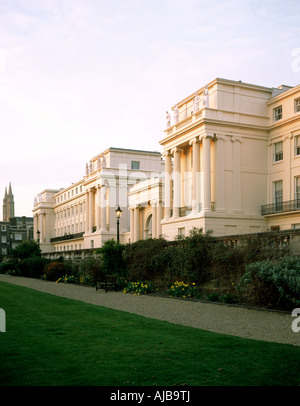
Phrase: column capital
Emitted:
{"points": [[166, 153], [194, 140], [104, 182], [220, 137], [176, 149], [205, 136], [234, 139]]}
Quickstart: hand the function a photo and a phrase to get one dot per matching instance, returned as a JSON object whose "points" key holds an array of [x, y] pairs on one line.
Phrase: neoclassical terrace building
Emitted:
{"points": [[83, 215], [232, 162]]}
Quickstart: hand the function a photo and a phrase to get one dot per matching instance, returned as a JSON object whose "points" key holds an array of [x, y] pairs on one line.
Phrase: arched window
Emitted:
{"points": [[148, 227]]}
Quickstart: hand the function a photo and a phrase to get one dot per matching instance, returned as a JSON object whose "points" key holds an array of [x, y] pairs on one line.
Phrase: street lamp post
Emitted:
{"points": [[118, 213]]}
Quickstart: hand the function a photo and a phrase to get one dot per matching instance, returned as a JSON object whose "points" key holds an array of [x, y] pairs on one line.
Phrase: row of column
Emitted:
{"points": [[136, 221], [96, 198], [213, 175], [41, 223]]}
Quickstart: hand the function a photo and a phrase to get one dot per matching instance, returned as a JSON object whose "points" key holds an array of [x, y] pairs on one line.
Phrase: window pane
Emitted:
{"points": [[277, 195], [277, 113], [135, 165], [297, 145], [297, 192], [278, 151]]}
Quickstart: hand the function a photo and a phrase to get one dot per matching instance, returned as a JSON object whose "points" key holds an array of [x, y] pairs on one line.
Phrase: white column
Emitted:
{"points": [[98, 208], [195, 175], [168, 183], [131, 211], [177, 182], [159, 216], [41, 227], [154, 219], [47, 227], [206, 139], [76, 208], [220, 173], [236, 175], [35, 226], [103, 207], [91, 210], [136, 223], [87, 210], [109, 206]]}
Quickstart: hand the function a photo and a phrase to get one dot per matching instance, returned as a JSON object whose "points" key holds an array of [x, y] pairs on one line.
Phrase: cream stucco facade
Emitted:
{"points": [[230, 163], [82, 216], [218, 149], [219, 169], [283, 199]]}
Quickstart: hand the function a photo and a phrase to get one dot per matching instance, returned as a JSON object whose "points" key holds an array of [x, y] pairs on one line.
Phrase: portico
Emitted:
{"points": [[209, 151], [203, 158]]}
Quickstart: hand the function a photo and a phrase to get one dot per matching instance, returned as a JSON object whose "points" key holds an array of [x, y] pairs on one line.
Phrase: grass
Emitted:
{"points": [[54, 341]]}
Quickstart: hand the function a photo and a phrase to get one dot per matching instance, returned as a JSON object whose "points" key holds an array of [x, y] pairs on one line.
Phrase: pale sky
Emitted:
{"points": [[80, 76]]}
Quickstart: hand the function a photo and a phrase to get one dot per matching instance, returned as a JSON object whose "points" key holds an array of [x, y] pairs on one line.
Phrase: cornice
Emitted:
{"points": [[224, 82], [283, 95], [281, 122]]}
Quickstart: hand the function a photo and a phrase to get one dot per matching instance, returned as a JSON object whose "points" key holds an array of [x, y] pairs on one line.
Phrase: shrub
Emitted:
{"points": [[229, 298], [90, 270], [12, 272], [32, 267], [263, 247], [197, 253], [111, 257], [146, 259], [54, 270], [26, 249], [188, 259], [274, 284], [213, 297], [6, 267], [227, 262]]}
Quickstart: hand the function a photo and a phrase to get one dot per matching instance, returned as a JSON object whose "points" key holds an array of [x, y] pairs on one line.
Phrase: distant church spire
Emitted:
{"points": [[8, 204], [5, 205]]}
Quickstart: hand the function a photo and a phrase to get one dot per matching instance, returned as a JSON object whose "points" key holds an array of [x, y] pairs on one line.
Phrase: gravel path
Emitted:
{"points": [[238, 321]]}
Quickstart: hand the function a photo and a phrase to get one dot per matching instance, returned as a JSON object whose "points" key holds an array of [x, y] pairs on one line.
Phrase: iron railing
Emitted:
{"points": [[66, 237], [280, 207]]}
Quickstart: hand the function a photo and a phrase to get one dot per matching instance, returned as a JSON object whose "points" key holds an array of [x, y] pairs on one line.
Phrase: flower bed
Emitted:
{"points": [[82, 280], [181, 289], [138, 288]]}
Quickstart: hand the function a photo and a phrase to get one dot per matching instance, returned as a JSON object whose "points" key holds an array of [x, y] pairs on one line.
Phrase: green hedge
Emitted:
{"points": [[32, 267]]}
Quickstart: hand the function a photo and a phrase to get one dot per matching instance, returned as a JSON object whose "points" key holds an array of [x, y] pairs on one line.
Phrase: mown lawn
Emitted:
{"points": [[51, 340]]}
